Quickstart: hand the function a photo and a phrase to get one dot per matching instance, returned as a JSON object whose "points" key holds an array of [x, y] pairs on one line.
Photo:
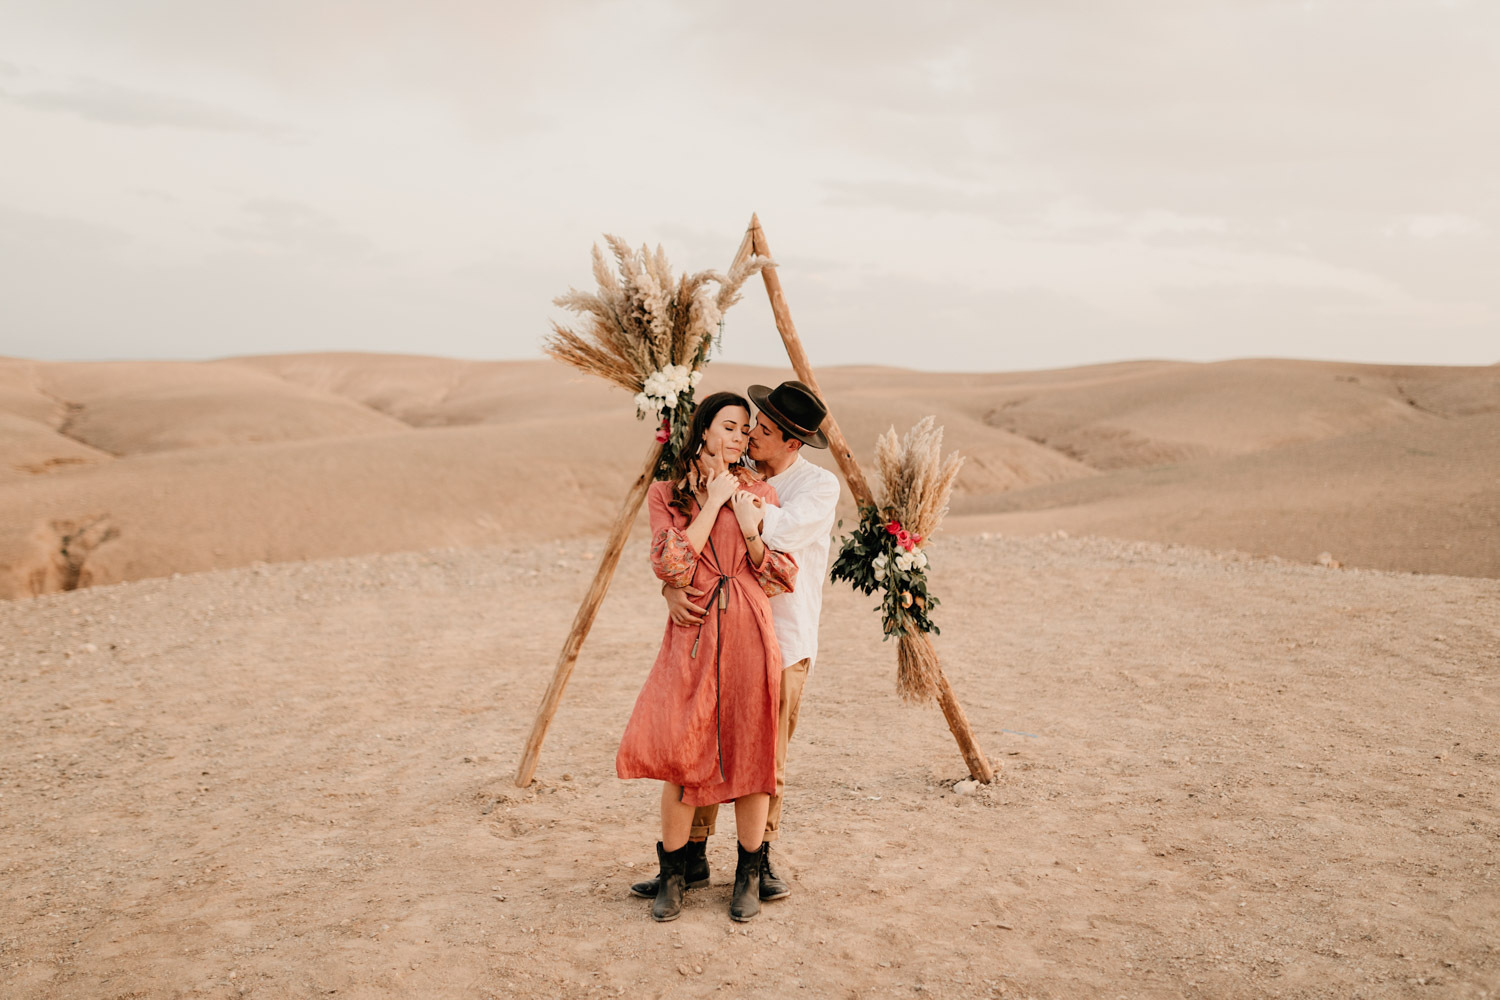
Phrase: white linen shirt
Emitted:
{"points": [[802, 526]]}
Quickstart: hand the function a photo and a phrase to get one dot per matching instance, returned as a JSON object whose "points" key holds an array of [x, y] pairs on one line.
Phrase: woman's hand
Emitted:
{"points": [[748, 511], [721, 485]]}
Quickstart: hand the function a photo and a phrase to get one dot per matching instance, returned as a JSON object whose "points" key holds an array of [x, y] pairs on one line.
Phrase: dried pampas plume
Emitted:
{"points": [[916, 668], [918, 481], [641, 318]]}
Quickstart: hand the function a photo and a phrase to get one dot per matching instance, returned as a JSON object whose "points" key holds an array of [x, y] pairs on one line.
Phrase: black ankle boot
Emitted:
{"points": [[697, 872], [746, 903], [672, 883], [771, 887]]}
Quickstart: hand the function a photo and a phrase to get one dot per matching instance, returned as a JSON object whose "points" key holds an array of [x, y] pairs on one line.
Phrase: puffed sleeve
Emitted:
{"points": [[672, 557], [777, 572]]}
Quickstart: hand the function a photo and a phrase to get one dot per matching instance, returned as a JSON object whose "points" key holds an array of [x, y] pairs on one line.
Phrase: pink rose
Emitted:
{"points": [[664, 432], [894, 527], [903, 539]]}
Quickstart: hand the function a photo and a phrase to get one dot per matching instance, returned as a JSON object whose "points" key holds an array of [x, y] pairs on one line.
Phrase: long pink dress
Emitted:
{"points": [[706, 717]]}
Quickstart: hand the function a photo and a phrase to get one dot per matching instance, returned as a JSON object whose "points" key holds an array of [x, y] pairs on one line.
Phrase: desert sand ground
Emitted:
{"points": [[1220, 777], [280, 626]]}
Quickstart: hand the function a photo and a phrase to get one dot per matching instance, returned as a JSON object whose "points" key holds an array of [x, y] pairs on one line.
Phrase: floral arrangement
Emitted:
{"points": [[885, 552], [883, 555], [649, 332]]}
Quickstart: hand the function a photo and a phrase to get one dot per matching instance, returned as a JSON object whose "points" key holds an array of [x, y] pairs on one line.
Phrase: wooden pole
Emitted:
{"points": [[958, 722], [584, 620], [794, 350]]}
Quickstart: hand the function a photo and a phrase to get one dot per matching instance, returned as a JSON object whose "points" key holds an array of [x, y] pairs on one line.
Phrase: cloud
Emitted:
{"points": [[290, 225], [1433, 227], [932, 197], [115, 105], [42, 234]]}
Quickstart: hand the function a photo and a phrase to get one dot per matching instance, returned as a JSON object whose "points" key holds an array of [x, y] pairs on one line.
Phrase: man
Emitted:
{"points": [[790, 416]]}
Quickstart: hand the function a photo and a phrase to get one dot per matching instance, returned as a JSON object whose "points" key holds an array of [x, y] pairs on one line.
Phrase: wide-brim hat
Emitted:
{"points": [[795, 409]]}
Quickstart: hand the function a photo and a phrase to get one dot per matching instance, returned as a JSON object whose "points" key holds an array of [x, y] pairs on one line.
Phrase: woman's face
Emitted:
{"points": [[727, 434]]}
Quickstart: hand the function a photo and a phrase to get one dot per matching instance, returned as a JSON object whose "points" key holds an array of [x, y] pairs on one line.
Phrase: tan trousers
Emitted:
{"points": [[793, 678]]}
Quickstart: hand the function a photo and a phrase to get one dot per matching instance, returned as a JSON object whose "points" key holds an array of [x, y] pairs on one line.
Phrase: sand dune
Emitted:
{"points": [[129, 408], [122, 471]]}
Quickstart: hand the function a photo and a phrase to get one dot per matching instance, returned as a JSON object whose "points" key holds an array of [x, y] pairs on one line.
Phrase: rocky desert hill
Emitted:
{"points": [[129, 470]]}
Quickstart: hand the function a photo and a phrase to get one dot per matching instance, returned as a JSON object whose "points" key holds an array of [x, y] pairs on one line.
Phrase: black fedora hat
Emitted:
{"points": [[795, 409]]}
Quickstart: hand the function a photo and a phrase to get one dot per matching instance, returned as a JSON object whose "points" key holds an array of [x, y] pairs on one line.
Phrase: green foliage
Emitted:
{"points": [[856, 563], [680, 419]]}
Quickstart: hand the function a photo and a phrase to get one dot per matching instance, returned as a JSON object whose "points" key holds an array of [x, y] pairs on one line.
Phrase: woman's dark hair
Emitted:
{"points": [[703, 417]]}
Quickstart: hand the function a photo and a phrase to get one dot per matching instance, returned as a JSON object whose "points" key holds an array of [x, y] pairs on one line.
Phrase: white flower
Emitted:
{"points": [[879, 561], [879, 573], [669, 400], [904, 562], [695, 378]]}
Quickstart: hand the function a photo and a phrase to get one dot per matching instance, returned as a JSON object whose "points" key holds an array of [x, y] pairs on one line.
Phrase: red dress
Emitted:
{"points": [[706, 717]]}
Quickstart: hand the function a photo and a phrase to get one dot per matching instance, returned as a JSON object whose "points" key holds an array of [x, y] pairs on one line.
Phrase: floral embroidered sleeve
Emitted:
{"points": [[777, 573], [672, 557]]}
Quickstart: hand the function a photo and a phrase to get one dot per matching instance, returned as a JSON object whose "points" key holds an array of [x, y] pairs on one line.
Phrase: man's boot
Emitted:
{"points": [[746, 902], [697, 872], [671, 884], [771, 887]]}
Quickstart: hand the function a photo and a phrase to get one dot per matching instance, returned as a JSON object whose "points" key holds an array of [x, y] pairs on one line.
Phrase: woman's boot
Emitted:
{"points": [[746, 903], [673, 880], [697, 872]]}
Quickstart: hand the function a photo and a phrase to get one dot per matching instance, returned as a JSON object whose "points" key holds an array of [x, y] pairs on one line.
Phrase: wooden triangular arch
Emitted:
{"points": [[753, 243]]}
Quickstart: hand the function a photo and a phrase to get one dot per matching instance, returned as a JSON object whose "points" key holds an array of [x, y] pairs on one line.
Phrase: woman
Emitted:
{"points": [[705, 721]]}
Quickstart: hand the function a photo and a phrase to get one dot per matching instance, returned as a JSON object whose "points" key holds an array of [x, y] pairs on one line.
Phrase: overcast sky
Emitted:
{"points": [[957, 186]]}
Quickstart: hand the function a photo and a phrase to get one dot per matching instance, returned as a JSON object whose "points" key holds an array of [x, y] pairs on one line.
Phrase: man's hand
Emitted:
{"points": [[747, 510], [680, 606]]}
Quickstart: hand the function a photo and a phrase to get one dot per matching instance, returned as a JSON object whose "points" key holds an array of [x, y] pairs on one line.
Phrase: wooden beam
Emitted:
{"points": [[842, 454], [584, 620], [953, 712]]}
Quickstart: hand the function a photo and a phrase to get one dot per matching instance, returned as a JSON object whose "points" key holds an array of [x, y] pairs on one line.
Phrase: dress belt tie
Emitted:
{"points": [[721, 591]]}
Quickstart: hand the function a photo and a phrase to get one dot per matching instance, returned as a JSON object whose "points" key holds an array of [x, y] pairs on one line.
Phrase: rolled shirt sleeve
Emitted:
{"points": [[803, 519]]}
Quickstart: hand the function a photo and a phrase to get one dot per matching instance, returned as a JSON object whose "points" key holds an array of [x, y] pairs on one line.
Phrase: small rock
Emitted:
{"points": [[966, 786], [1326, 560]]}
